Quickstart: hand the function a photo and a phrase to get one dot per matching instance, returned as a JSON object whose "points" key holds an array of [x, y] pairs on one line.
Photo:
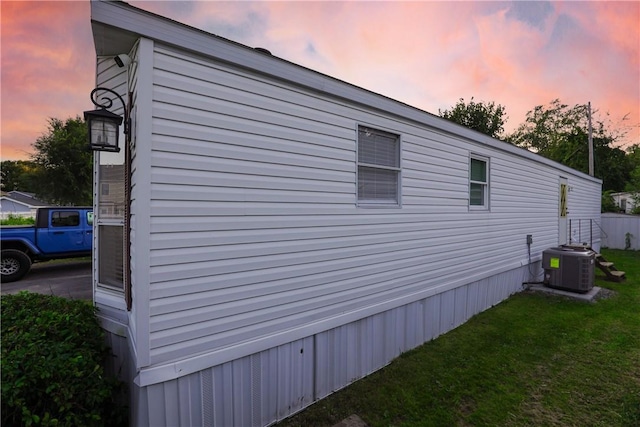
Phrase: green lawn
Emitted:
{"points": [[533, 360]]}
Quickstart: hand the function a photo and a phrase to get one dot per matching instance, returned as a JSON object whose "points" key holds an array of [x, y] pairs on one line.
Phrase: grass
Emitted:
{"points": [[533, 360]]}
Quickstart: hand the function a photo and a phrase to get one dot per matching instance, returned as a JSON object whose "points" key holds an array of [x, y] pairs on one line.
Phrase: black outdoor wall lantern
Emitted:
{"points": [[103, 125]]}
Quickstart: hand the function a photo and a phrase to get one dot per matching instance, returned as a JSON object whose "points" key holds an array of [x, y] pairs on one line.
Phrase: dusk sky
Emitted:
{"points": [[426, 54]]}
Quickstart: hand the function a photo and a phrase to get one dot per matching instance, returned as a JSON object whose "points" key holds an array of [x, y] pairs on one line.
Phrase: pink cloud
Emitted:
{"points": [[427, 54], [47, 69]]}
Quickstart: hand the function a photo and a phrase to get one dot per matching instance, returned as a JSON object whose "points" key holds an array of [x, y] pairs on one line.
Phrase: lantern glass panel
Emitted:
{"points": [[104, 133]]}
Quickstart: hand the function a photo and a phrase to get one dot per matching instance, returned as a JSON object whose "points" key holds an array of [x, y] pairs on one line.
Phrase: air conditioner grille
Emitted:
{"points": [[569, 268]]}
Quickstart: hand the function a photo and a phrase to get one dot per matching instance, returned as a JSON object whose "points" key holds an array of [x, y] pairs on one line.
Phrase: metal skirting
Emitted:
{"points": [[268, 386]]}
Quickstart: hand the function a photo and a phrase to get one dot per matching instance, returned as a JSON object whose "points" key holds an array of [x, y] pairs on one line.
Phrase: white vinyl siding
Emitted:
{"points": [[253, 227], [259, 284], [378, 167]]}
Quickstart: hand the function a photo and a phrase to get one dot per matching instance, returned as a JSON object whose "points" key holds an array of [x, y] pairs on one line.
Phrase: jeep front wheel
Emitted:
{"points": [[14, 265]]}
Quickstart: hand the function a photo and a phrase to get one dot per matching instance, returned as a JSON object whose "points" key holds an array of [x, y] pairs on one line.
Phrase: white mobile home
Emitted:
{"points": [[625, 201], [280, 233]]}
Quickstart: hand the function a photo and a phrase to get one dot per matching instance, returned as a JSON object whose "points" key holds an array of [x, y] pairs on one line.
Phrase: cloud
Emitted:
{"points": [[534, 13], [47, 68], [426, 54]]}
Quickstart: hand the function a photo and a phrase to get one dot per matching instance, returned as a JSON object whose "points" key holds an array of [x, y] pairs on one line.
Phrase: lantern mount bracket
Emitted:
{"points": [[106, 103]]}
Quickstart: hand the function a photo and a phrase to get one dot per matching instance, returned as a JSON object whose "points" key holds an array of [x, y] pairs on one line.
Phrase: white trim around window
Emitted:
{"points": [[479, 185], [378, 158]]}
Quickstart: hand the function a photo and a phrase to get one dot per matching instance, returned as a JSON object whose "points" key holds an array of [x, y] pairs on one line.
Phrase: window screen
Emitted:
{"points": [[378, 166], [111, 253]]}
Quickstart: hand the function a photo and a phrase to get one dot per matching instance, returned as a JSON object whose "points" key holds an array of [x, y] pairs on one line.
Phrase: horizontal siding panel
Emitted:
{"points": [[285, 150], [189, 193], [240, 334], [199, 105], [256, 90], [185, 161], [205, 141], [257, 158], [167, 116], [313, 262], [229, 180], [166, 208], [362, 217], [449, 190], [391, 232], [246, 295], [254, 222]]}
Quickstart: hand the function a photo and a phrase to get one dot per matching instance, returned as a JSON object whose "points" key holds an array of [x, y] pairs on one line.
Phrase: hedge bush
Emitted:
{"points": [[52, 364], [18, 220]]}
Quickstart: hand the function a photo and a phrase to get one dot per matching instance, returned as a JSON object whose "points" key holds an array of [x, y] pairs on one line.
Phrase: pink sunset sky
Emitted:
{"points": [[426, 54]]}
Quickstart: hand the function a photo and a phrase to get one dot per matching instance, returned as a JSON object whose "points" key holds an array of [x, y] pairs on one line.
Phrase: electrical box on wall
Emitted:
{"points": [[571, 269]]}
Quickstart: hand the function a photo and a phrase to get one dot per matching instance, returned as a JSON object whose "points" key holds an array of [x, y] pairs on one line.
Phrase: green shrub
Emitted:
{"points": [[18, 220], [52, 364]]}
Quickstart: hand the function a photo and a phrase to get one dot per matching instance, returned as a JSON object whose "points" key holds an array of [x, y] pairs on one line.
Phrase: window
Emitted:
{"points": [[110, 221], [111, 265], [378, 167], [478, 183], [65, 219]]}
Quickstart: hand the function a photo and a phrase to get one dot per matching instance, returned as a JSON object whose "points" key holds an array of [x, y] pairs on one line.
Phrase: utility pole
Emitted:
{"points": [[590, 140]]}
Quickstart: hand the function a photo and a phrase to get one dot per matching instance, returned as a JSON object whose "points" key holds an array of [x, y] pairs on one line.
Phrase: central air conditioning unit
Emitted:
{"points": [[569, 268]]}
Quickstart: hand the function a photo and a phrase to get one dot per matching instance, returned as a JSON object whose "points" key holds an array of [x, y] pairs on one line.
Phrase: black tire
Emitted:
{"points": [[14, 265]]}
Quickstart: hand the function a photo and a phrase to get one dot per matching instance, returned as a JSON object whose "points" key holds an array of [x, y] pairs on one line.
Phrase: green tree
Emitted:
{"points": [[560, 133], [633, 185], [64, 175], [485, 117], [17, 175]]}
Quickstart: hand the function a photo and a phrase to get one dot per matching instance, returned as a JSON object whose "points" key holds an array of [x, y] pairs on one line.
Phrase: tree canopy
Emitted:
{"points": [[560, 132], [485, 117], [18, 175], [64, 164]]}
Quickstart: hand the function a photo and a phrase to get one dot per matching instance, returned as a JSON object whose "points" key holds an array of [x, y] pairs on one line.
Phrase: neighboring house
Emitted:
{"points": [[19, 203], [287, 233], [625, 201]]}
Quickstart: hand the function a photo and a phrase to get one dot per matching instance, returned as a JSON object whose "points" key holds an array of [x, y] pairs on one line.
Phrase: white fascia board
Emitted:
{"points": [[117, 22], [17, 202]]}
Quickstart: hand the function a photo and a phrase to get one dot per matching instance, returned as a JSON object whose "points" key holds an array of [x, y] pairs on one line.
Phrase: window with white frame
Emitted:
{"points": [[478, 182], [378, 167], [110, 220]]}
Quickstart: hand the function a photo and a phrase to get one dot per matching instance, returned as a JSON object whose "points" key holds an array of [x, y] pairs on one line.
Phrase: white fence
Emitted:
{"points": [[621, 231]]}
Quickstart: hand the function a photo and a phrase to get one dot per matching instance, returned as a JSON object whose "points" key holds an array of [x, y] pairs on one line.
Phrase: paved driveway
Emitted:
{"points": [[71, 279]]}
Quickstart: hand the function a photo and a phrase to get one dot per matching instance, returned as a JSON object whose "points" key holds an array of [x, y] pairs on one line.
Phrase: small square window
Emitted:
{"points": [[478, 183], [378, 167]]}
